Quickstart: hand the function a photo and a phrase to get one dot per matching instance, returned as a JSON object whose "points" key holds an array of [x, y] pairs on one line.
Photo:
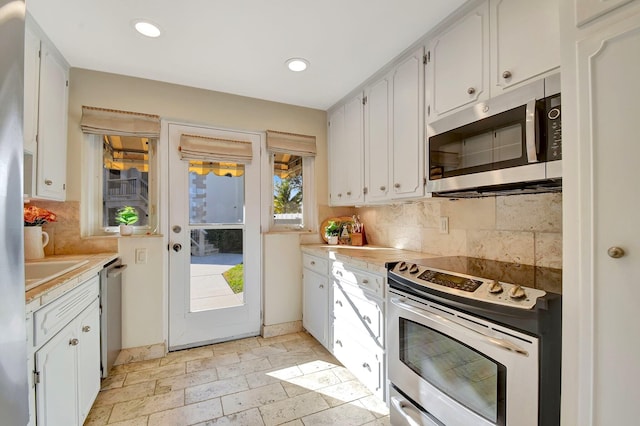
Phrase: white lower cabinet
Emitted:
{"points": [[358, 324], [66, 366], [343, 308], [315, 306]]}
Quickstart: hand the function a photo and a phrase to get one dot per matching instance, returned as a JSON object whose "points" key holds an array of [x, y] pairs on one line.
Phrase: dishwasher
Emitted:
{"points": [[110, 314]]}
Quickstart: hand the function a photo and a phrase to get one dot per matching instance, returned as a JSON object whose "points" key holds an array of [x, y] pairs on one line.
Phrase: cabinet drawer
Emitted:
{"points": [[367, 281], [54, 316], [365, 318], [316, 264], [366, 363]]}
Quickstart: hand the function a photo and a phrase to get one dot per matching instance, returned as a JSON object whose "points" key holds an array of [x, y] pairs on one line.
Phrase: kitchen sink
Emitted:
{"points": [[36, 273]]}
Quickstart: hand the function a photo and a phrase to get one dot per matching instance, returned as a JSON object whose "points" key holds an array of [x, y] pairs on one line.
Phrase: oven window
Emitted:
{"points": [[467, 376]]}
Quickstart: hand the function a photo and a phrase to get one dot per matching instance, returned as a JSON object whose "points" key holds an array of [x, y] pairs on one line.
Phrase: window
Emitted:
{"points": [[292, 170], [123, 173], [120, 160], [292, 188]]}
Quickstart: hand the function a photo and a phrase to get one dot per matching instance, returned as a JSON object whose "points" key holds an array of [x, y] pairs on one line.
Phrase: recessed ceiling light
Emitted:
{"points": [[146, 28], [297, 64]]}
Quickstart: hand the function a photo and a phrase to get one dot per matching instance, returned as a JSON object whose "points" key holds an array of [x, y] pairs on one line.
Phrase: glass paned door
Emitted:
{"points": [[214, 260]]}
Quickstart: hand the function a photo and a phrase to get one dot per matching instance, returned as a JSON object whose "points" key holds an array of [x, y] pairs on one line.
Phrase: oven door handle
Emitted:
{"points": [[400, 404], [496, 341], [530, 132]]}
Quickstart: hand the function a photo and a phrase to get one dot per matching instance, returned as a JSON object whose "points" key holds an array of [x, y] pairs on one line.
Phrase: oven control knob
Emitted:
{"points": [[402, 266], [414, 269], [517, 292], [495, 287]]}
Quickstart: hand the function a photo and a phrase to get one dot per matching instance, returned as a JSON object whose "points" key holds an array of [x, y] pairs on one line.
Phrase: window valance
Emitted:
{"points": [[102, 121], [205, 148], [291, 143]]}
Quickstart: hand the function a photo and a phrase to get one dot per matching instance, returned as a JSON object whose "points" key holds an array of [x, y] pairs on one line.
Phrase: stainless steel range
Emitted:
{"points": [[473, 342]]}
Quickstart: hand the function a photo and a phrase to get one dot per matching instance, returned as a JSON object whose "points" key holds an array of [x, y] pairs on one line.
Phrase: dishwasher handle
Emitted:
{"points": [[114, 271]]}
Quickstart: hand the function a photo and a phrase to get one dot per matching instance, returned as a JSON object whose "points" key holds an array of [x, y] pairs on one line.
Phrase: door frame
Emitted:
{"points": [[163, 201]]}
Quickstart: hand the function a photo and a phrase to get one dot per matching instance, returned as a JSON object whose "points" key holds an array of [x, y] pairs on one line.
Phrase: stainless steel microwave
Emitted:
{"points": [[509, 144]]}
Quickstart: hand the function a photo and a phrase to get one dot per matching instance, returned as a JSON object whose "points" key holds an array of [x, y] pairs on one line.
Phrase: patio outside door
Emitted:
{"points": [[214, 243]]}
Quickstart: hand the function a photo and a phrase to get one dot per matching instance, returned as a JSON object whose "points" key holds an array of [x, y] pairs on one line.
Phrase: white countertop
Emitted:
{"points": [[52, 289], [369, 257]]}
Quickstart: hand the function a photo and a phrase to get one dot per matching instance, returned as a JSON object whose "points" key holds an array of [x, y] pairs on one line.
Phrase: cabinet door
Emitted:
{"points": [[376, 136], [408, 127], [88, 331], [604, 195], [337, 179], [52, 127], [587, 10], [31, 90], [525, 41], [346, 151], [56, 393], [458, 65], [315, 315]]}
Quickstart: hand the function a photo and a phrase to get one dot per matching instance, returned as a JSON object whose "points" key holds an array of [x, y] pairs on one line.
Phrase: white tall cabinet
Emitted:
{"points": [[601, 336]]}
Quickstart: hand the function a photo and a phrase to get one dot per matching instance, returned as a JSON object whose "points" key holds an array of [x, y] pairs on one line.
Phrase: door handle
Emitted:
{"points": [[177, 247]]}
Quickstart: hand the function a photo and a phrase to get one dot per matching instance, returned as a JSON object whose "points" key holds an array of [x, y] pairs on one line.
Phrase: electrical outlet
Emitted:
{"points": [[444, 225], [141, 256]]}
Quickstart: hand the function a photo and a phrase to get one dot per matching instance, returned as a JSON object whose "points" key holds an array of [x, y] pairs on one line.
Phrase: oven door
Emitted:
{"points": [[461, 369]]}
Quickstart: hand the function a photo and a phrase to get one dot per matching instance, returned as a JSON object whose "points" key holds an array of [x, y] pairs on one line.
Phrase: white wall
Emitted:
{"points": [[144, 304], [143, 307], [282, 278]]}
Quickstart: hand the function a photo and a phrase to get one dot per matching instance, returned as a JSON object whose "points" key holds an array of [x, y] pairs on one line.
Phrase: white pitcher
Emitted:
{"points": [[35, 240]]}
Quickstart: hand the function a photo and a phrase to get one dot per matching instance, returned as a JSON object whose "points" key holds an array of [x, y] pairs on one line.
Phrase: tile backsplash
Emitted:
{"points": [[517, 228], [64, 233]]}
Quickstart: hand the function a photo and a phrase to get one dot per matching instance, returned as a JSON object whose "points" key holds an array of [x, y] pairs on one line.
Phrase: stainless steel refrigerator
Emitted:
{"points": [[13, 344]]}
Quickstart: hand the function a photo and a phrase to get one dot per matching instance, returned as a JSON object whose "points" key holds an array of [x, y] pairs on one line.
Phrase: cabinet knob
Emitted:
{"points": [[383, 188], [506, 74], [338, 302], [471, 90], [365, 281], [321, 286], [339, 342], [367, 366], [340, 195], [397, 185], [615, 252], [48, 182], [86, 329], [313, 262], [73, 342], [366, 319], [349, 193]]}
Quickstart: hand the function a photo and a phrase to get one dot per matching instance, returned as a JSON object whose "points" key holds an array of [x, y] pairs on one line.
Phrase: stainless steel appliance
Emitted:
{"points": [[473, 342], [512, 142], [111, 314], [13, 339]]}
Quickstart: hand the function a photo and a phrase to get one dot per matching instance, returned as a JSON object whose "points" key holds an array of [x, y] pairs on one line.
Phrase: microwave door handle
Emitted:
{"points": [[495, 341], [530, 132]]}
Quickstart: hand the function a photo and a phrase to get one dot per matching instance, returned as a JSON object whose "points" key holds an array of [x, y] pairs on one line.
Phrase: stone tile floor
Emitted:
{"points": [[286, 380]]}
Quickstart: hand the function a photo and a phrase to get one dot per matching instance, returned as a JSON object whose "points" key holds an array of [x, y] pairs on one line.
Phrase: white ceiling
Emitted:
{"points": [[240, 46]]}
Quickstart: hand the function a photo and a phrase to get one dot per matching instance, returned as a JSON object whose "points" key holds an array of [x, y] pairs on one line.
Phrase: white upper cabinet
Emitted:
{"points": [[346, 154], [408, 127], [588, 10], [525, 41], [458, 65], [31, 89], [45, 111], [377, 149]]}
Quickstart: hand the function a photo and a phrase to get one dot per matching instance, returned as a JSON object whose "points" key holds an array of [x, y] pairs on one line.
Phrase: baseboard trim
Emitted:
{"points": [[281, 329]]}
